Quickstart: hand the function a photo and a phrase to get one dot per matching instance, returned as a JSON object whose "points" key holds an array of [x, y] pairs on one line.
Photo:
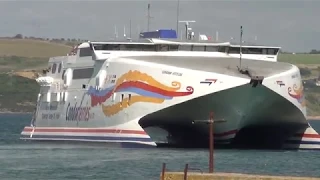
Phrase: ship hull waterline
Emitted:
{"points": [[247, 125]]}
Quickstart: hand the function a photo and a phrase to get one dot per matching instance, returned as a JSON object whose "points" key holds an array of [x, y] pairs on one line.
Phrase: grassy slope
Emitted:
{"points": [[309, 61], [31, 48], [20, 54], [300, 59]]}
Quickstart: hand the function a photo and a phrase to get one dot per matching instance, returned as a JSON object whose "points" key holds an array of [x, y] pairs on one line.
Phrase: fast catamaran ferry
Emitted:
{"points": [[138, 93]]}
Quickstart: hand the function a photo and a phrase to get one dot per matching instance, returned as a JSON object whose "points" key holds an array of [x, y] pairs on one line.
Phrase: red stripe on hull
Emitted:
{"points": [[84, 130], [97, 130], [308, 135]]}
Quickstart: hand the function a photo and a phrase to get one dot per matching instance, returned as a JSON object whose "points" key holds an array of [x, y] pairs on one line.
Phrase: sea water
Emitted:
{"points": [[25, 160]]}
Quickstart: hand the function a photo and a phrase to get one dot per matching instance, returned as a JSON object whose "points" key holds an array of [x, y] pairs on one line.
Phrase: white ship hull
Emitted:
{"points": [[140, 93]]}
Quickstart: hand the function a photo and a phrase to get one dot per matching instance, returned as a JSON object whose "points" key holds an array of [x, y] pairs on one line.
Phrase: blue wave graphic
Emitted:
{"points": [[143, 92], [103, 92]]}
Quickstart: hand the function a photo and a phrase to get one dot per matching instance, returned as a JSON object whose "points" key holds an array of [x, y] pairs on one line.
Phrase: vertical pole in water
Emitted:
{"points": [[211, 143]]}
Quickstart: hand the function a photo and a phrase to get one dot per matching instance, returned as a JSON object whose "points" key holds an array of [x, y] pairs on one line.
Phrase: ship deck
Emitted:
{"points": [[219, 64]]}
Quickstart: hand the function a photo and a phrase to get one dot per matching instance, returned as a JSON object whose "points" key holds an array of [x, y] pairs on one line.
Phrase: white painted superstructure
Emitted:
{"points": [[119, 91]]}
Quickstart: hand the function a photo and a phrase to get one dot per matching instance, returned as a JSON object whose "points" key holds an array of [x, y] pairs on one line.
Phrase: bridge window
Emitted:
{"points": [[211, 48], [60, 67], [126, 47], [264, 51], [111, 47], [272, 51], [82, 73], [234, 50], [198, 48], [222, 49], [162, 47], [185, 48], [54, 68], [63, 72], [85, 52], [174, 47], [254, 51], [146, 47], [97, 47]]}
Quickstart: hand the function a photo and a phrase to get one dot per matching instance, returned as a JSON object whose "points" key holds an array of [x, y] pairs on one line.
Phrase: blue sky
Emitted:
{"points": [[293, 25]]}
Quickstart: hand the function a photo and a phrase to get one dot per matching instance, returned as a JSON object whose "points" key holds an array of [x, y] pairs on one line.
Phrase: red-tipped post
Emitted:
{"points": [[163, 170], [211, 143], [186, 172], [210, 122]]}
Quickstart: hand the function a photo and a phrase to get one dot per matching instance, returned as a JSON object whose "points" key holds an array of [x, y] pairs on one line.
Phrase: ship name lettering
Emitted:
{"points": [[50, 116], [78, 113], [172, 73]]}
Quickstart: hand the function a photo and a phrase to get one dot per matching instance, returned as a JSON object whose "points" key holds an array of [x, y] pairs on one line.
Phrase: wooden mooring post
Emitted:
{"points": [[163, 170], [210, 122]]}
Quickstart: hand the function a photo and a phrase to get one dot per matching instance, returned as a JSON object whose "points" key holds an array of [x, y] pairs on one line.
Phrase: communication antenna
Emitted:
{"points": [[217, 36], [139, 31], [242, 71], [124, 31], [187, 27], [241, 32], [115, 32], [178, 9], [148, 16], [130, 28]]}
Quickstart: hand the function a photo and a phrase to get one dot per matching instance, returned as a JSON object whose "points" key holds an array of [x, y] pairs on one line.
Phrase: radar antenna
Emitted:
{"points": [[188, 34]]}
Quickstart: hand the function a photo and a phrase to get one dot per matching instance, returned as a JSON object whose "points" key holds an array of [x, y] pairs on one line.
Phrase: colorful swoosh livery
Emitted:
{"points": [[146, 88], [298, 94]]}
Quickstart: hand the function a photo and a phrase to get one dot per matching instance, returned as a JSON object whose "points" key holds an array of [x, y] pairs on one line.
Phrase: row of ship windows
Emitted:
{"points": [[84, 73], [143, 47], [76, 73], [54, 68]]}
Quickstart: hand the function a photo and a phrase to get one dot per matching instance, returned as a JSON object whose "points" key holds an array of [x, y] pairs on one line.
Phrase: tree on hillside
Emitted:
{"points": [[18, 36], [314, 51]]}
